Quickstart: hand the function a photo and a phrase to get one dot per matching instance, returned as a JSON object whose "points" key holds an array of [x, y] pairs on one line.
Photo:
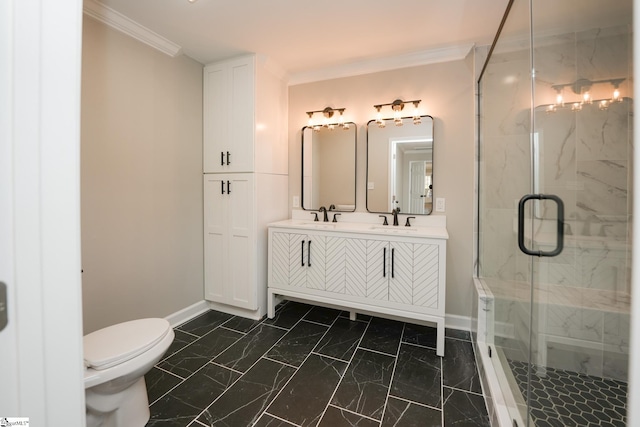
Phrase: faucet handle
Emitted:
{"points": [[385, 219], [408, 224], [316, 215], [334, 217]]}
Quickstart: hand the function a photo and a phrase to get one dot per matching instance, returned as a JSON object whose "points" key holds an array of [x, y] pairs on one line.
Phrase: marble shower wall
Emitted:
{"points": [[585, 158]]}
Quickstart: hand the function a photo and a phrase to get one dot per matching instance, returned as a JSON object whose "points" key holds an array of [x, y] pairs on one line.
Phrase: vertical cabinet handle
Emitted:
{"points": [[222, 158], [228, 187], [309, 255], [559, 224], [222, 187], [384, 262], [302, 253], [392, 263], [228, 158]]}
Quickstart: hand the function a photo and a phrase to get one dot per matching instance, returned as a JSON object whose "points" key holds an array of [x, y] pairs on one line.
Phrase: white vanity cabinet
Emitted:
{"points": [[245, 164], [399, 276]]}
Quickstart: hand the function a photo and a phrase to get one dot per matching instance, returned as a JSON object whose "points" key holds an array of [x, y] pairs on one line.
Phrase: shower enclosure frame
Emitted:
{"points": [[483, 328]]}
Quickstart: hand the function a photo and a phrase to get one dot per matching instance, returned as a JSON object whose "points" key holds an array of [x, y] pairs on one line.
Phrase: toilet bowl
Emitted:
{"points": [[116, 359]]}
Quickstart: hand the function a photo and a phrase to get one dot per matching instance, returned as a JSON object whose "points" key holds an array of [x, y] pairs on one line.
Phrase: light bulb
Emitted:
{"points": [[616, 95], [551, 109], [604, 104], [559, 100], [586, 98], [310, 124], [577, 106]]}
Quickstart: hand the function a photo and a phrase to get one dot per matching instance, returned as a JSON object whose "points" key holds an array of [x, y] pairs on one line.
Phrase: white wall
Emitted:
{"points": [[142, 250], [446, 90]]}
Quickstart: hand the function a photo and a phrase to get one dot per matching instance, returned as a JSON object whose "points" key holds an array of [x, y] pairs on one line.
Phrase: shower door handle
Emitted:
{"points": [[559, 222]]}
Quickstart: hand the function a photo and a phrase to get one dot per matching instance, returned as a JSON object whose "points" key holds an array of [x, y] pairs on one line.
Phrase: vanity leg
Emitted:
{"points": [[352, 315], [440, 339], [270, 304]]}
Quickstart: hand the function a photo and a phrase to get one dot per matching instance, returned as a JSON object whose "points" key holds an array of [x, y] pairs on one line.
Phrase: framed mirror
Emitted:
{"points": [[400, 166], [329, 168]]}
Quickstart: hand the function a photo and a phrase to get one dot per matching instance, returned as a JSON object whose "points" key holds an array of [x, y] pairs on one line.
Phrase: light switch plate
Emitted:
{"points": [[371, 185], [296, 201], [440, 207]]}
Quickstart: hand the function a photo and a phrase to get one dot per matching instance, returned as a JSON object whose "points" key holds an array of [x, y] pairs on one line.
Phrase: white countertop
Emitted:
{"points": [[433, 232]]}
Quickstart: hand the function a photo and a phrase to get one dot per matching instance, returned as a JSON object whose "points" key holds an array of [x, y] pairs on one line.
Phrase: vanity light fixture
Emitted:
{"points": [[397, 106], [583, 88], [327, 114]]}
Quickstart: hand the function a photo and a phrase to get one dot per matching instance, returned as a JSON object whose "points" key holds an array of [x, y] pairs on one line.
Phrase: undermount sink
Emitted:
{"points": [[394, 229]]}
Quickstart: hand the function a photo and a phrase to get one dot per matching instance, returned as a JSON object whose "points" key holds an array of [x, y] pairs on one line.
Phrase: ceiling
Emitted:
{"points": [[301, 35], [317, 38]]}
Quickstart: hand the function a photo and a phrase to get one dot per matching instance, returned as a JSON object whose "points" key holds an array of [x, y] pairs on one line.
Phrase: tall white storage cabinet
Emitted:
{"points": [[245, 164]]}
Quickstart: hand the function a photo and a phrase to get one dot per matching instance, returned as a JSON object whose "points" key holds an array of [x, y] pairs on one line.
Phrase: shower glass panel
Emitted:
{"points": [[555, 119]]}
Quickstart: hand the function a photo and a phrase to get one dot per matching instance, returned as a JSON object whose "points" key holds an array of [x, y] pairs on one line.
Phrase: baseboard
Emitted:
{"points": [[188, 313], [453, 321]]}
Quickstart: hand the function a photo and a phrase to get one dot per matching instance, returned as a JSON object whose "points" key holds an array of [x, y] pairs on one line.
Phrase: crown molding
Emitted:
{"points": [[431, 56], [118, 21]]}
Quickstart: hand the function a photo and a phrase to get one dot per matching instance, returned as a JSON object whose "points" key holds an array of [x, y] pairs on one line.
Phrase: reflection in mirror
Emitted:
{"points": [[329, 168], [400, 166]]}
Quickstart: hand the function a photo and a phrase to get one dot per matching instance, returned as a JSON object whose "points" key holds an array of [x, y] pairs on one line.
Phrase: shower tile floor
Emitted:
{"points": [[564, 398], [312, 366]]}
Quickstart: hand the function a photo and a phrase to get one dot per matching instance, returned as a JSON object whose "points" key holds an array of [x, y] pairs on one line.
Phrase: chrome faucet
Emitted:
{"points": [[324, 211], [395, 213]]}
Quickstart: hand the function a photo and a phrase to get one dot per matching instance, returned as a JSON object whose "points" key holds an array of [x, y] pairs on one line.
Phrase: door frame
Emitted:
{"points": [[40, 75]]}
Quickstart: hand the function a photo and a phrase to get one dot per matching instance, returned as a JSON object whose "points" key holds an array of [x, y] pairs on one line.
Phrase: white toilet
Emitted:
{"points": [[116, 359]]}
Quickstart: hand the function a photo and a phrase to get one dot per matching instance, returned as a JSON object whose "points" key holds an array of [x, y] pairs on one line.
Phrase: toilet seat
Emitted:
{"points": [[116, 344]]}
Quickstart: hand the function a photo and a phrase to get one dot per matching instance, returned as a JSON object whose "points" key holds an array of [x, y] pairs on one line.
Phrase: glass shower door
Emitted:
{"points": [[581, 151]]}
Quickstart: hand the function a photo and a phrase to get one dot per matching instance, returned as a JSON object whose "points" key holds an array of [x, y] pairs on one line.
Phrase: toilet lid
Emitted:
{"points": [[118, 343]]}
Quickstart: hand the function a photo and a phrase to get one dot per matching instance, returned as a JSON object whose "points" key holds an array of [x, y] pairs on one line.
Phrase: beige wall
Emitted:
{"points": [[447, 94], [141, 179]]}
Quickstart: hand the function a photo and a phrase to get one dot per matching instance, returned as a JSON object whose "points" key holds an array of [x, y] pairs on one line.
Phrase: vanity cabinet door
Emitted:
{"points": [[378, 272], [401, 263], [426, 276], [346, 265], [298, 260]]}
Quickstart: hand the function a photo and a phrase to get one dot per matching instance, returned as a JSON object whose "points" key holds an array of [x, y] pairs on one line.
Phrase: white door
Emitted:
{"points": [[215, 230], [416, 187], [41, 357]]}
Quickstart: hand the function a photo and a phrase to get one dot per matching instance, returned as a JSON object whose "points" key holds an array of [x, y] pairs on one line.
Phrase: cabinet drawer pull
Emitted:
{"points": [[228, 158], [384, 262], [309, 255], [228, 187], [222, 158], [302, 253], [222, 187], [392, 264]]}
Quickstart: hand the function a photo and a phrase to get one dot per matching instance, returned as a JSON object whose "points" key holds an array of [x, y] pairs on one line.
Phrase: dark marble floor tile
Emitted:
{"points": [[459, 366], [457, 334], [383, 335], [342, 339], [244, 402], [192, 396], [296, 345], [336, 417], [289, 315], [180, 341], [205, 323], [244, 353], [241, 324], [462, 409], [400, 413], [420, 334], [159, 382], [306, 396], [365, 384], [267, 420], [323, 315], [418, 375], [196, 355]]}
